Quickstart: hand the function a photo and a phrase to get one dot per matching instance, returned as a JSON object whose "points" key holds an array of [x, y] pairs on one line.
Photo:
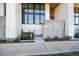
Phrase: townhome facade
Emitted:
{"points": [[43, 19]]}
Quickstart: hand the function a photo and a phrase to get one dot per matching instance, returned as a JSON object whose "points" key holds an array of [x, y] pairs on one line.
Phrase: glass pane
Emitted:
{"points": [[76, 14], [42, 6], [25, 17], [42, 11], [30, 10], [36, 19], [30, 6], [36, 11], [77, 19], [25, 10], [42, 18], [24, 5], [30, 19], [36, 6]]}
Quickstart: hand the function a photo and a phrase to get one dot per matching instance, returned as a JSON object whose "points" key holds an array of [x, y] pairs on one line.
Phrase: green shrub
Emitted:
{"points": [[56, 38], [67, 37], [47, 38], [76, 35], [27, 35], [17, 40], [3, 41]]}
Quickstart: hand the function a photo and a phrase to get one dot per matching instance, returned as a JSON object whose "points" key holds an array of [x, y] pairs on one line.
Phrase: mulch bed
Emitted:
{"points": [[56, 39]]}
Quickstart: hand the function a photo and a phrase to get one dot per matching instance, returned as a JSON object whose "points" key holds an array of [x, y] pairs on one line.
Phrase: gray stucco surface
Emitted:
{"points": [[2, 26], [54, 28]]}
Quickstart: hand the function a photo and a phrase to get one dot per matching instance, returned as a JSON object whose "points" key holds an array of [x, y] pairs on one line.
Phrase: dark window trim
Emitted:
{"points": [[33, 14], [4, 9]]}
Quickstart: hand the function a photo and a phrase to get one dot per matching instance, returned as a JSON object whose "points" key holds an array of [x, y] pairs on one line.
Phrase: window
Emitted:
{"points": [[33, 13], [42, 17], [36, 19], [76, 18], [25, 17], [30, 19]]}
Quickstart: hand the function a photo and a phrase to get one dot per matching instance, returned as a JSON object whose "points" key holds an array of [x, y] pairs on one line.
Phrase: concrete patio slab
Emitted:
{"points": [[32, 49], [63, 46], [36, 48], [9, 49]]}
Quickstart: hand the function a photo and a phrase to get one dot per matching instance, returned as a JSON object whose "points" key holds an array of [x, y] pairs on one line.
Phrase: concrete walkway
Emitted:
{"points": [[38, 48]]}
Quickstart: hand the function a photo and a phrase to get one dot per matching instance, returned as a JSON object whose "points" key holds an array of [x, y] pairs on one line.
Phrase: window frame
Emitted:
{"points": [[40, 14], [76, 16]]}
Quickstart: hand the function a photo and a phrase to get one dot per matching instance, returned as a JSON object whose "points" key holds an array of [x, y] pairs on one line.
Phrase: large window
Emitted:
{"points": [[76, 16], [33, 13]]}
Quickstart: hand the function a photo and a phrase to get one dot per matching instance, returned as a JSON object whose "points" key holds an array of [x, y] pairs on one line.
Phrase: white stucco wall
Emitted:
{"points": [[47, 11], [1, 9], [10, 21], [65, 11], [18, 18], [13, 20], [37, 29], [61, 12]]}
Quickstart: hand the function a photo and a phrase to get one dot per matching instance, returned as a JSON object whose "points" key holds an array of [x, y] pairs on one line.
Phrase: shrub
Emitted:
{"points": [[27, 35], [3, 41], [56, 38], [47, 38], [67, 37], [16, 40], [76, 35], [10, 40]]}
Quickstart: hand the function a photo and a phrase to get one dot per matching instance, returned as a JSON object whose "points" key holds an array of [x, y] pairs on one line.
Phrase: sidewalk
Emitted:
{"points": [[38, 48]]}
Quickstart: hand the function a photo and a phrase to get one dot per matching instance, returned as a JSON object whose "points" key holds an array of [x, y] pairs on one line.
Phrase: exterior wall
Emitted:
{"points": [[71, 20], [66, 12], [36, 28], [2, 27], [18, 18], [14, 17], [47, 11], [51, 27], [10, 21], [14, 24], [61, 12], [13, 20], [1, 9], [2, 21]]}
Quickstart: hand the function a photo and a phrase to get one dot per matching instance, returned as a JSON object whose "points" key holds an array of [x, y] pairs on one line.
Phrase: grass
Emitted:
{"points": [[75, 53]]}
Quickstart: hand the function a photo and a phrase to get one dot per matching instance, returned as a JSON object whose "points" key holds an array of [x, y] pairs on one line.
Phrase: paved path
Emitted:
{"points": [[37, 48]]}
